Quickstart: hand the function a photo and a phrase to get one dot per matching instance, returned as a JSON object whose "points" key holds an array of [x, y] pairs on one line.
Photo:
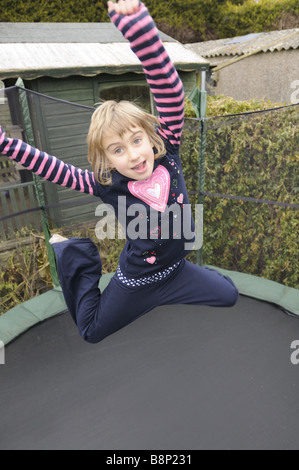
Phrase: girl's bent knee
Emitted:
{"points": [[227, 294], [232, 296]]}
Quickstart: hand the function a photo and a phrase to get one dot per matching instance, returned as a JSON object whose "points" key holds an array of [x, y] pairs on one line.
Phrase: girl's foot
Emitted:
{"points": [[56, 238]]}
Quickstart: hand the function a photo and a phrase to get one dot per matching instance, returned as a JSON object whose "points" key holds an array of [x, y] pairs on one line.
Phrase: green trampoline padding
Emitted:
{"points": [[252, 286], [22, 317]]}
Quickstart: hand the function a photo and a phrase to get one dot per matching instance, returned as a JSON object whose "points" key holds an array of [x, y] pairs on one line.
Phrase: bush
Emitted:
{"points": [[189, 21], [254, 156], [26, 273], [257, 17]]}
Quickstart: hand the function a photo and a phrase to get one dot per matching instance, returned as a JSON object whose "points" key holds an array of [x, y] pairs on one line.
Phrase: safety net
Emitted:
{"points": [[242, 169]]}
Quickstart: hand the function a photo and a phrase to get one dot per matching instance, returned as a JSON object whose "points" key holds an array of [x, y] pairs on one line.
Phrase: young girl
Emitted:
{"points": [[135, 160]]}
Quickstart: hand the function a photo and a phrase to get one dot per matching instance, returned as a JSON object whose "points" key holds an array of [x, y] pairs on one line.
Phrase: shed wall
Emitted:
{"points": [[267, 75]]}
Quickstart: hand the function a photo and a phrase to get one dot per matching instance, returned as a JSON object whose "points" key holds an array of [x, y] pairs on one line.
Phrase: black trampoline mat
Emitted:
{"points": [[180, 378]]}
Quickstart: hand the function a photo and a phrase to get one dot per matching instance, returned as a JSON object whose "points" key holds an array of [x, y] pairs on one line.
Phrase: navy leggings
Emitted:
{"points": [[98, 315]]}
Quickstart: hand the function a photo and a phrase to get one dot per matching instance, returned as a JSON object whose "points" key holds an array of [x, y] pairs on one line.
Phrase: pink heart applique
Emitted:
{"points": [[154, 191], [151, 260], [180, 198]]}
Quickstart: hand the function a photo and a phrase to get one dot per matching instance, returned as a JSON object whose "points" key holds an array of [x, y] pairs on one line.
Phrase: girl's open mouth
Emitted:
{"points": [[141, 168]]}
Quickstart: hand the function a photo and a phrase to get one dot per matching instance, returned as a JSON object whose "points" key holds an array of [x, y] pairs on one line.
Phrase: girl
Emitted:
{"points": [[135, 160]]}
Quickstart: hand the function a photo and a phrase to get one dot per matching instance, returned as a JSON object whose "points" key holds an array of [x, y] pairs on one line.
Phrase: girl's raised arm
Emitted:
{"points": [[47, 166], [132, 18]]}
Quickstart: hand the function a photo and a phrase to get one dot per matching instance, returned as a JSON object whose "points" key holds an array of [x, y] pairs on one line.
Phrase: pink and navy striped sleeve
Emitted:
{"points": [[161, 75], [47, 166]]}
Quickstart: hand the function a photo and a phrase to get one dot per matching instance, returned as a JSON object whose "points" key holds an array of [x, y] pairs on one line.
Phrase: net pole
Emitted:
{"points": [[198, 98], [202, 151], [37, 182]]}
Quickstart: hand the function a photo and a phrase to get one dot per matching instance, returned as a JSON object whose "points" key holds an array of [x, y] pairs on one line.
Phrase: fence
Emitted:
{"points": [[18, 199]]}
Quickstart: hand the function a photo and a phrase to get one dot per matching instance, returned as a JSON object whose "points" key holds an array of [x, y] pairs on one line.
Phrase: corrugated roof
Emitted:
{"points": [[62, 49], [271, 41], [63, 32]]}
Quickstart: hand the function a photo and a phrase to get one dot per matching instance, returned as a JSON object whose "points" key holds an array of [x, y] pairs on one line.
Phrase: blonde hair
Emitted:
{"points": [[118, 117]]}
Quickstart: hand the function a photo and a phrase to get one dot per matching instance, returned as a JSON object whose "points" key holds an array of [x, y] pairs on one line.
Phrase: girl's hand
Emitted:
{"points": [[124, 7]]}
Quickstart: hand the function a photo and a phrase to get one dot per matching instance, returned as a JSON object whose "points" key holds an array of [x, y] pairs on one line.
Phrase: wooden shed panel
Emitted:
{"points": [[63, 130]]}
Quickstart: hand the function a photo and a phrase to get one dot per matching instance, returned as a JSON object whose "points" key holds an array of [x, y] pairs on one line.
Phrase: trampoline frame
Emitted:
{"points": [[22, 317]]}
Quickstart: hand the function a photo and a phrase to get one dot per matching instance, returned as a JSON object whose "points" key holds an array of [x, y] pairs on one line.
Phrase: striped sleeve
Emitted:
{"points": [[47, 166], [161, 75]]}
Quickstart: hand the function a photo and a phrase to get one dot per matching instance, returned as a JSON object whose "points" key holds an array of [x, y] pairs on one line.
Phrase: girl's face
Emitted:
{"points": [[131, 154]]}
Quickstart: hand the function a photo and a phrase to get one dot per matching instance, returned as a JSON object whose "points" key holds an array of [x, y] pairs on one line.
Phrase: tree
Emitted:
{"points": [[185, 20]]}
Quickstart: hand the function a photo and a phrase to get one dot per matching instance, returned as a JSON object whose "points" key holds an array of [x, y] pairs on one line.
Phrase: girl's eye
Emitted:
{"points": [[118, 151], [137, 141]]}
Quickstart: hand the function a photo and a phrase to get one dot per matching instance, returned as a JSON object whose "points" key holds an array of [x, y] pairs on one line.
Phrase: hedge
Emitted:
{"points": [[255, 156], [257, 17], [185, 20]]}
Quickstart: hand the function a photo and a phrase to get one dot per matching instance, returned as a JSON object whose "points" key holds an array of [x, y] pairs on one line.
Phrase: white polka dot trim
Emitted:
{"points": [[144, 281]]}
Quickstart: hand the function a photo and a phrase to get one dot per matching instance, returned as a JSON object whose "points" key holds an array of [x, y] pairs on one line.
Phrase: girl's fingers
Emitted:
{"points": [[124, 7], [132, 6], [110, 6]]}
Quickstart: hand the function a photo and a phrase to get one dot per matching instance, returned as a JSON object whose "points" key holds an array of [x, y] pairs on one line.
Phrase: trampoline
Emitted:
{"points": [[181, 377]]}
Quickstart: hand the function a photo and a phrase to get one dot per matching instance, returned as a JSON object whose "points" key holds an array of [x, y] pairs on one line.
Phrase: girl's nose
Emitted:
{"points": [[133, 154]]}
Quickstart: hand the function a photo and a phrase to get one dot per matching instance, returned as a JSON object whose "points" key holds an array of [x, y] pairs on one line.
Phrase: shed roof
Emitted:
{"points": [[63, 49], [63, 33], [265, 42]]}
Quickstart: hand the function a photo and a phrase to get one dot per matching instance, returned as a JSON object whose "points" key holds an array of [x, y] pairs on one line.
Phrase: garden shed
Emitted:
{"points": [[261, 65], [79, 63]]}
